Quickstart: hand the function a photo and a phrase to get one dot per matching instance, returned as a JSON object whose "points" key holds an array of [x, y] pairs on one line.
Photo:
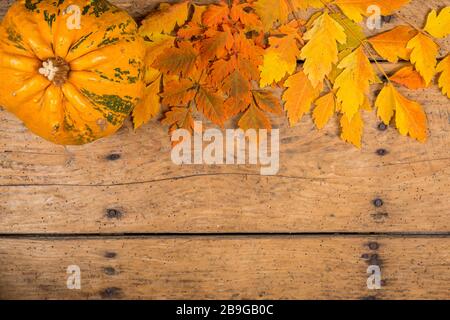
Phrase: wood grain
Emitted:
{"points": [[62, 206], [285, 267], [323, 184]]}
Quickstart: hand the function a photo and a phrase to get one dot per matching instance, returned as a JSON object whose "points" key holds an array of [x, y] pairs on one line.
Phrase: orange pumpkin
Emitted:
{"points": [[71, 70]]}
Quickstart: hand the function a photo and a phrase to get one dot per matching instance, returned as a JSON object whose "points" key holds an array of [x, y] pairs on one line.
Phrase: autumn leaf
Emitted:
{"points": [[197, 15], [216, 46], [325, 108], [222, 68], [239, 12], [267, 101], [177, 60], [149, 106], [438, 25], [391, 45], [254, 118], [178, 92], [179, 118], [299, 96], [423, 55], [321, 51], [215, 15], [272, 11], [280, 59], [444, 79], [409, 78], [165, 19], [352, 130], [409, 115], [238, 89], [356, 9], [352, 84], [211, 105], [353, 31]]}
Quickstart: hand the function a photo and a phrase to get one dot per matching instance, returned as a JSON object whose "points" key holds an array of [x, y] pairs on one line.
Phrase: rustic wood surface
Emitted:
{"points": [[282, 267], [61, 206]]}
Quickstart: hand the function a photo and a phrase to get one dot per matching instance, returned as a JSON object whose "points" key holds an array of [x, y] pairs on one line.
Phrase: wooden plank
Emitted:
{"points": [[323, 184], [285, 267]]}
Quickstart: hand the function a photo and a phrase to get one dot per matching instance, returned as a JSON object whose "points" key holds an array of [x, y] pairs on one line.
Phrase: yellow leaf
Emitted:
{"points": [[149, 106], [354, 32], [153, 50], [352, 84], [321, 52], [439, 25], [271, 11], [198, 13], [352, 130], [356, 9], [299, 96], [325, 107], [409, 78], [385, 104], [391, 45], [423, 56], [165, 19], [281, 57], [273, 69], [444, 79], [409, 115]]}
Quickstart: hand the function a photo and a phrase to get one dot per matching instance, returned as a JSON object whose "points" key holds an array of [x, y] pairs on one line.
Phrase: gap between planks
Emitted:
{"points": [[234, 235]]}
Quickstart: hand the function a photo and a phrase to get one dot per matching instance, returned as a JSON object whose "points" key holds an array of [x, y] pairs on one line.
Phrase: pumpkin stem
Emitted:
{"points": [[55, 70]]}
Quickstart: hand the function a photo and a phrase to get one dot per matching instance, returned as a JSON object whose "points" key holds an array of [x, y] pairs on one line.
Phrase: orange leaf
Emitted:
{"points": [[254, 118], [215, 15], [215, 46], [325, 107], [236, 85], [299, 96], [267, 101], [179, 118], [352, 129], [178, 92], [409, 78], [177, 60], [391, 45], [238, 13], [221, 68], [211, 105]]}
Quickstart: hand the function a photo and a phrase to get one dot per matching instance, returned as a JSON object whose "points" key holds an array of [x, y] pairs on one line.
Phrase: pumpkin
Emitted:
{"points": [[71, 70]]}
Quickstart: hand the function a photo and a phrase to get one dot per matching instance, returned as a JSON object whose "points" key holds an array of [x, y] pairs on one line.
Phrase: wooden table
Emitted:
{"points": [[139, 226]]}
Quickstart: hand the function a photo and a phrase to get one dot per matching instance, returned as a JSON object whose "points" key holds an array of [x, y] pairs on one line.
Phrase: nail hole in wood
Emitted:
{"points": [[113, 157], [111, 293], [113, 214], [110, 254], [382, 152], [378, 203], [382, 126], [374, 260], [110, 271], [373, 246]]}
